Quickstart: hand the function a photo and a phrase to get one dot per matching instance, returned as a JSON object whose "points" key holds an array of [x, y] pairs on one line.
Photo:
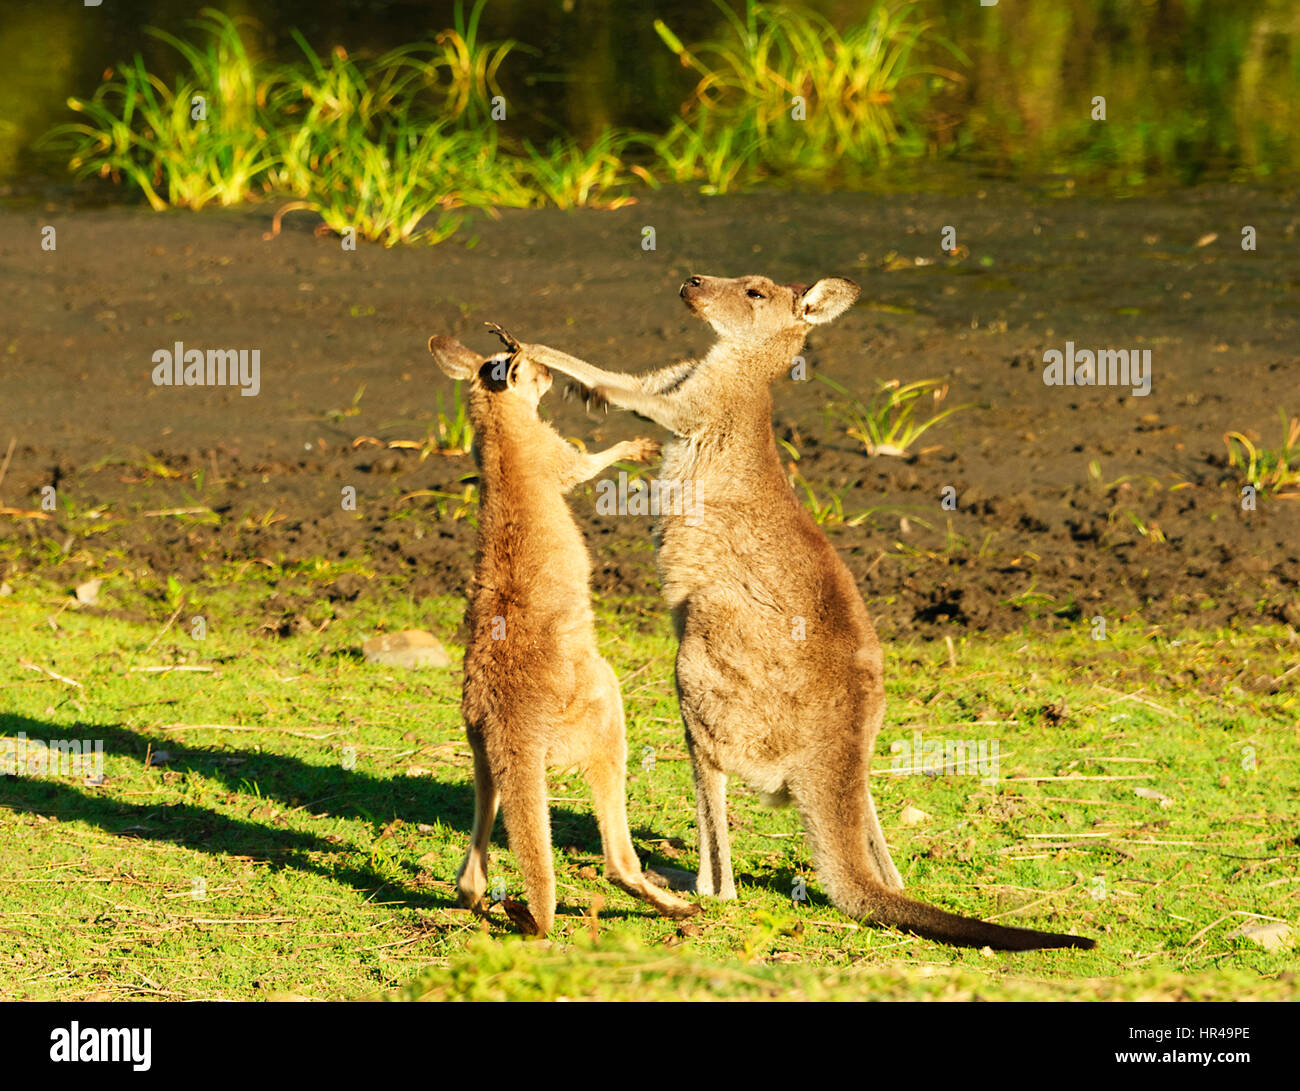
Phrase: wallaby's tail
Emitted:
{"points": [[876, 904]]}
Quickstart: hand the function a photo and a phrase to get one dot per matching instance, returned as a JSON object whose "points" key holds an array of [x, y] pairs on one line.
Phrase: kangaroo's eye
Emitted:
{"points": [[755, 294]]}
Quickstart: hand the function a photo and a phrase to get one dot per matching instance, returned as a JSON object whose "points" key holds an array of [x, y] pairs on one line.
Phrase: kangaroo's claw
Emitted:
{"points": [[507, 338]]}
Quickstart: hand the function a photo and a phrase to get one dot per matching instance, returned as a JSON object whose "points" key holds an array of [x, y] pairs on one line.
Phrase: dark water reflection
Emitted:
{"points": [[1194, 88]]}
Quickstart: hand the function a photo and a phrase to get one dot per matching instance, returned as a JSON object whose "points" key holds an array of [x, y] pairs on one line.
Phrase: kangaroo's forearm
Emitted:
{"points": [[666, 378], [652, 382], [666, 410], [585, 373]]}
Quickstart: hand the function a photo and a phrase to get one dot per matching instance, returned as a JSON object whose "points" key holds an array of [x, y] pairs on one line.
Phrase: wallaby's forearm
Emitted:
{"points": [[586, 466]]}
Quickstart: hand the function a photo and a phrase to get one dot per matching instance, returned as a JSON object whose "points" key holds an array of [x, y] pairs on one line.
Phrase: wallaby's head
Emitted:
{"points": [[502, 375], [756, 309]]}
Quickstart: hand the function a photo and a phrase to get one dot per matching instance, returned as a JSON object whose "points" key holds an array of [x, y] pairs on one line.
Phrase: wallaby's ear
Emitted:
{"points": [[826, 300], [499, 372], [454, 358]]}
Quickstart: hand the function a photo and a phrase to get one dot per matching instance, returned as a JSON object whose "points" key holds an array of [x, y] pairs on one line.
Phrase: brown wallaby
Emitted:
{"points": [[537, 693], [778, 666]]}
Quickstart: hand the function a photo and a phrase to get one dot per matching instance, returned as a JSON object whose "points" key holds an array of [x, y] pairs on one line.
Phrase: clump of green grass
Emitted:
{"points": [[889, 423], [389, 148], [392, 148], [1274, 470], [786, 93], [203, 140], [570, 176], [451, 432]]}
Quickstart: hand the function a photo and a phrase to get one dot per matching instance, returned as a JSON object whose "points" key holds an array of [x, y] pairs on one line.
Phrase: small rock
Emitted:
{"points": [[160, 757], [912, 816], [416, 771], [1271, 935], [5, 589], [424, 827], [587, 873], [413, 648], [1151, 793], [88, 592]]}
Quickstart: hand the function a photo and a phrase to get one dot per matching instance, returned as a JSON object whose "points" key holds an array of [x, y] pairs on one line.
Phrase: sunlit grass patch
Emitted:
{"points": [[889, 422], [1274, 470], [786, 93]]}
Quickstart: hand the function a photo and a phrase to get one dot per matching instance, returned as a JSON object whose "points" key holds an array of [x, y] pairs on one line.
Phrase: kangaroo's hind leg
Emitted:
{"points": [[471, 879]]}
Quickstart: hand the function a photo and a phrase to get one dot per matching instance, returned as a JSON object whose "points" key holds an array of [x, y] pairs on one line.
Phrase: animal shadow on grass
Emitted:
{"points": [[323, 790]]}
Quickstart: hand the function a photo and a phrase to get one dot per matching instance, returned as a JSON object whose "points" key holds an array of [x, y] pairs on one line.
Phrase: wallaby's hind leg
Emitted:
{"points": [[528, 826], [471, 879], [606, 773], [711, 811]]}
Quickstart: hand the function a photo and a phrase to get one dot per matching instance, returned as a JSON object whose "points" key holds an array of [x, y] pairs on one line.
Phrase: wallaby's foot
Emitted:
{"points": [[471, 881], [667, 904], [470, 899], [522, 917]]}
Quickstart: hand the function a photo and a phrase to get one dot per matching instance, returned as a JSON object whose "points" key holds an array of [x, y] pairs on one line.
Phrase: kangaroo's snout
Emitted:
{"points": [[693, 293]]}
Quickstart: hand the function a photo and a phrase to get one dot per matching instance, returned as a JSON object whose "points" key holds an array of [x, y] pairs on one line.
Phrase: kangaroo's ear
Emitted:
{"points": [[454, 358], [826, 300]]}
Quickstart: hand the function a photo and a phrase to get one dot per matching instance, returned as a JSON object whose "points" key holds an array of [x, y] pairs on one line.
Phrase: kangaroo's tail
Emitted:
{"points": [[873, 903]]}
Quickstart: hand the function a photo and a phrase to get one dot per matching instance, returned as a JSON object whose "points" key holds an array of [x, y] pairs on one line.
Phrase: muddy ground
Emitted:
{"points": [[1036, 539]]}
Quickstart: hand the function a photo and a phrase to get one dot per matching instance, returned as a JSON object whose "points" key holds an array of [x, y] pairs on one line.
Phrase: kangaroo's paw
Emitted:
{"points": [[507, 338]]}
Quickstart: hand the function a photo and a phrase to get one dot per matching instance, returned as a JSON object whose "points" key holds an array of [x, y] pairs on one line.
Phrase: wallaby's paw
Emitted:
{"points": [[644, 449], [672, 878]]}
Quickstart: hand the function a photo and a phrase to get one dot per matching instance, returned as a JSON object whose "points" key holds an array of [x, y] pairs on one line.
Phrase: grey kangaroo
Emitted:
{"points": [[778, 666], [537, 693]]}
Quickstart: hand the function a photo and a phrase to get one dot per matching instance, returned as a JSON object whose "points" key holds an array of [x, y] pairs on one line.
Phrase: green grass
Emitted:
{"points": [[390, 147], [888, 423], [320, 806], [785, 93], [1269, 469], [134, 126]]}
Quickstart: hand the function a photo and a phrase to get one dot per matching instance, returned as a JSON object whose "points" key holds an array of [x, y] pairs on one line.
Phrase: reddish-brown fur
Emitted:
{"points": [[537, 693]]}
